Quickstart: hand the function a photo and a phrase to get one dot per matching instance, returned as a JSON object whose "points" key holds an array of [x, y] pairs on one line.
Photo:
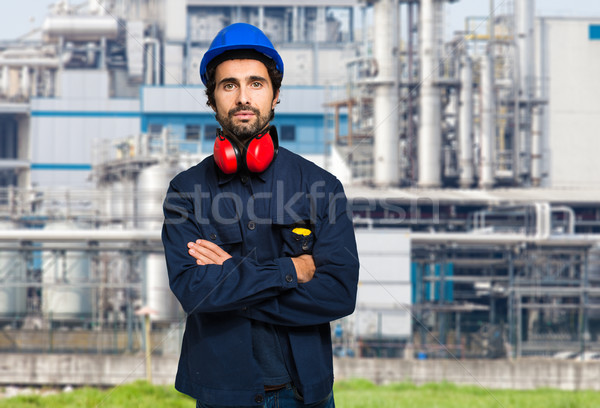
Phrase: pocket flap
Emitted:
{"points": [[223, 233]]}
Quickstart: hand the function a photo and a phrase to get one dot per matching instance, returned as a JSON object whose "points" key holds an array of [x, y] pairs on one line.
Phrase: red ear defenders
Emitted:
{"points": [[258, 154]]}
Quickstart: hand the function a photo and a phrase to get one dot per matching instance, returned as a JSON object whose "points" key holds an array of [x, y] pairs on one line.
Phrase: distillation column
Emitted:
{"points": [[386, 149], [430, 134], [538, 123], [488, 122], [524, 24], [465, 123]]}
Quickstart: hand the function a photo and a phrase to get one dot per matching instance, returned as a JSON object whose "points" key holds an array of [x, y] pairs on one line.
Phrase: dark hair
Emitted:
{"points": [[275, 76]]}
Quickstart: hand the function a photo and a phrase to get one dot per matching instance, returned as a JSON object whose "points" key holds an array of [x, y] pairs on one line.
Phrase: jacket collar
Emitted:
{"points": [[264, 176]]}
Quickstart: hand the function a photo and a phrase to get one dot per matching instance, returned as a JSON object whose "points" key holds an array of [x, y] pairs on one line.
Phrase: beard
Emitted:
{"points": [[245, 129]]}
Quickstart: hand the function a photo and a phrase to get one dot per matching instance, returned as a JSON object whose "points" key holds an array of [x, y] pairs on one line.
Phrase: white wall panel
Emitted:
{"points": [[384, 291], [573, 108], [84, 84]]}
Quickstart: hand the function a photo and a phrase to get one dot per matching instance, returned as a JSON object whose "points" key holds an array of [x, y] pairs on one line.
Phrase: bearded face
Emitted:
{"points": [[242, 127], [244, 97]]}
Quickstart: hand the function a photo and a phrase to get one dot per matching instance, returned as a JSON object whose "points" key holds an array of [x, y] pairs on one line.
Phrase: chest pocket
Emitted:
{"points": [[296, 239], [227, 236]]}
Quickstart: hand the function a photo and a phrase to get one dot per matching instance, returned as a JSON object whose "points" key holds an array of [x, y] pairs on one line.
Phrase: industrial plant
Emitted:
{"points": [[468, 157]]}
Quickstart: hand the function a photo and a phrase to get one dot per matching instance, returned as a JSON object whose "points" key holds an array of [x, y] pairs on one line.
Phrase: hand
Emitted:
{"points": [[207, 253], [305, 267]]}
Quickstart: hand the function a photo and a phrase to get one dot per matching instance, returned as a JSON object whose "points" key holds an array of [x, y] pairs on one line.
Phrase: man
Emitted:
{"points": [[260, 248]]}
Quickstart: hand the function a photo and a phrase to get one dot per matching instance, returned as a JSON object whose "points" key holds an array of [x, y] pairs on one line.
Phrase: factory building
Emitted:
{"points": [[468, 163]]}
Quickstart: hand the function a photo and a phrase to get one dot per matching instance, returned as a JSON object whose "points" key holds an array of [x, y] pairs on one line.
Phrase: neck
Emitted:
{"points": [[241, 144]]}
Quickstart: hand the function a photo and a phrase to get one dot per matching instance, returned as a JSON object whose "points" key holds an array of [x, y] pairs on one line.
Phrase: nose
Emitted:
{"points": [[243, 97]]}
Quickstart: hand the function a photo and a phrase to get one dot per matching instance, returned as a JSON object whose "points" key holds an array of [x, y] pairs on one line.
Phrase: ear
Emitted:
{"points": [[275, 100]]}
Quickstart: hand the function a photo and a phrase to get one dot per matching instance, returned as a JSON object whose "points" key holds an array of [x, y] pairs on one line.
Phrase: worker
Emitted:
{"points": [[259, 244]]}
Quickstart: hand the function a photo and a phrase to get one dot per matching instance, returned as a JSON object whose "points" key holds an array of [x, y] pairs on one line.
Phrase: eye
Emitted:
{"points": [[229, 86], [256, 84]]}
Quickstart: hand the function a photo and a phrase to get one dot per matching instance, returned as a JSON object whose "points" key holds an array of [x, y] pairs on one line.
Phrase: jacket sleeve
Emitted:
{"points": [[214, 288], [331, 294]]}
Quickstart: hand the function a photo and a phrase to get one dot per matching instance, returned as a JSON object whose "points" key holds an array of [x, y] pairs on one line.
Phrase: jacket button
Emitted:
{"points": [[305, 246], [251, 225], [244, 179], [289, 278], [259, 399], [213, 236]]}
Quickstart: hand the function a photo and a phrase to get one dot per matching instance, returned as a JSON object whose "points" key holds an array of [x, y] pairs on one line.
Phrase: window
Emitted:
{"points": [[155, 128], [210, 131], [288, 133], [192, 132], [8, 139]]}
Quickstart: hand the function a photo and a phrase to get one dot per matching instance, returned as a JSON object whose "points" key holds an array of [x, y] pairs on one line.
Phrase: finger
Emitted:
{"points": [[220, 252], [212, 246], [204, 250], [208, 254], [199, 252]]}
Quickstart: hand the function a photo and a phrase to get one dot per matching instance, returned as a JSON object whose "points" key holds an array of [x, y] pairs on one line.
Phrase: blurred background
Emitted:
{"points": [[465, 133]]}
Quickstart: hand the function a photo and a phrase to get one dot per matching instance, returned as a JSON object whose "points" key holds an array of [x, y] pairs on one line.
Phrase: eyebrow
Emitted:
{"points": [[230, 79], [251, 78], [257, 78]]}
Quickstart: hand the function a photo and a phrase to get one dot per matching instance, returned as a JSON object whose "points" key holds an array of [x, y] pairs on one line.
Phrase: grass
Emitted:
{"points": [[135, 395], [362, 394], [348, 394]]}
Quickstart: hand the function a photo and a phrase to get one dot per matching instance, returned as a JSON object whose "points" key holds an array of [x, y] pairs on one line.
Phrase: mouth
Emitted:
{"points": [[244, 115]]}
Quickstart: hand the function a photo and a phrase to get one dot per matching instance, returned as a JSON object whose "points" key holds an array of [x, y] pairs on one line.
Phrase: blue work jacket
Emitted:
{"points": [[253, 218]]}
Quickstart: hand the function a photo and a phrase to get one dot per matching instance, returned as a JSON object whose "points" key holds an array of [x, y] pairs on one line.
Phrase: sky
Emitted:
{"points": [[17, 17]]}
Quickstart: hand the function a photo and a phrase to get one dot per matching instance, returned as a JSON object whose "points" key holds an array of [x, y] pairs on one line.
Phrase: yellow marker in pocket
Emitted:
{"points": [[301, 231]]}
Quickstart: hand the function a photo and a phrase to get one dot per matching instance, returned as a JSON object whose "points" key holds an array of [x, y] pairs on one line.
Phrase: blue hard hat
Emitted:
{"points": [[239, 36]]}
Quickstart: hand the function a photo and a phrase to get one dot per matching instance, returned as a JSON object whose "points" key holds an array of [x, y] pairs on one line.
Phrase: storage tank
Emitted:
{"points": [[152, 184], [81, 28], [66, 293], [13, 274]]}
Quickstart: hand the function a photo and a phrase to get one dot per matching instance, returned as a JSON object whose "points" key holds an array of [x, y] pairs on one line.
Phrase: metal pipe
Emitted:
{"points": [[80, 235], [156, 44], [430, 136], [152, 236], [542, 220], [570, 213], [261, 17], [31, 62], [410, 65], [497, 238], [25, 83], [295, 33]]}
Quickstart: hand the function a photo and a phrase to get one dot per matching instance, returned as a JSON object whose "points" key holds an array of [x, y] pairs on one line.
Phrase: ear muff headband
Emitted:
{"points": [[258, 155]]}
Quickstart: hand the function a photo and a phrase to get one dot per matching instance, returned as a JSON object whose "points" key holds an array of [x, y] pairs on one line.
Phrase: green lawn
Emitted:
{"points": [[349, 394]]}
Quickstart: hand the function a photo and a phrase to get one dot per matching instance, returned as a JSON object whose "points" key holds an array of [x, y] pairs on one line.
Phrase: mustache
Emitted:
{"points": [[243, 108]]}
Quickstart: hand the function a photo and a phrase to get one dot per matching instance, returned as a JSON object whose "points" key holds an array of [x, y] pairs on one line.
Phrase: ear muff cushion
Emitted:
{"points": [[226, 155], [260, 153]]}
